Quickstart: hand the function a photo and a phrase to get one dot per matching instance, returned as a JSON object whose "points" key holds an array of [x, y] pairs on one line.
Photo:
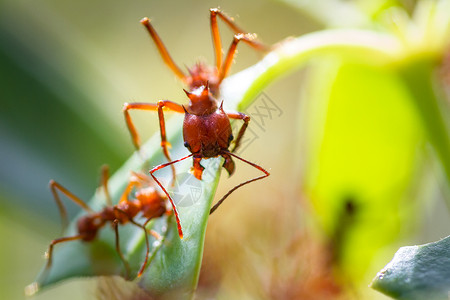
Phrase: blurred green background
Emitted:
{"points": [[338, 145]]}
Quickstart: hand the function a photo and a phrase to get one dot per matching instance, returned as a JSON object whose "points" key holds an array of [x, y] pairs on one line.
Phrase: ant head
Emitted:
{"points": [[201, 74]]}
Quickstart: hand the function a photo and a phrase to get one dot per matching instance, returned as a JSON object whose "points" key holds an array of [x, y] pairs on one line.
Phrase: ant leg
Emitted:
{"points": [[155, 235], [104, 183], [225, 68], [217, 43], [172, 106], [214, 12], [136, 180], [133, 182], [122, 258], [130, 125], [180, 231], [197, 168], [141, 270], [241, 184], [162, 49], [54, 186], [140, 177], [49, 253], [152, 232], [126, 192], [246, 119]]}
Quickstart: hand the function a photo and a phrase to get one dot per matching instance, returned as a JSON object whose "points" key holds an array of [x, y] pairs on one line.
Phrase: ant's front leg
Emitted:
{"points": [[246, 119], [172, 106], [54, 187], [197, 168], [241, 184], [180, 230]]}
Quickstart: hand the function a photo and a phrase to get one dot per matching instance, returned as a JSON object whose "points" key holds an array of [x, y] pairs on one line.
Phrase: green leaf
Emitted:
{"points": [[417, 272], [174, 264], [177, 261], [174, 268], [414, 62], [419, 77], [99, 257], [360, 161]]}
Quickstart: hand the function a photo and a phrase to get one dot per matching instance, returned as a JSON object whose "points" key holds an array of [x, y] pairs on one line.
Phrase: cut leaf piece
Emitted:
{"points": [[417, 272]]}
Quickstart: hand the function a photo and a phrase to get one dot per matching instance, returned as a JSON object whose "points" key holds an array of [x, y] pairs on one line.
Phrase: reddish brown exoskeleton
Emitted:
{"points": [[147, 201], [207, 133], [199, 75], [206, 129]]}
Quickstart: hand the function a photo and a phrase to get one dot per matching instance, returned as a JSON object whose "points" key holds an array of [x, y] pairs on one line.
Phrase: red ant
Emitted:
{"points": [[146, 200], [206, 129], [199, 75]]}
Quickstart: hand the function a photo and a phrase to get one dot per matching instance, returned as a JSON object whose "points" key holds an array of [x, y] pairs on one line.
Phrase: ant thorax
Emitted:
{"points": [[202, 102]]}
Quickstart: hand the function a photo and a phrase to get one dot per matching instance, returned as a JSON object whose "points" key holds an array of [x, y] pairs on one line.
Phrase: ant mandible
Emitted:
{"points": [[206, 129], [147, 200]]}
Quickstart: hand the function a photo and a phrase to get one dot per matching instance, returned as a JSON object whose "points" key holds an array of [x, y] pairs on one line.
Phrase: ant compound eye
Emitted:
{"points": [[230, 138], [186, 144]]}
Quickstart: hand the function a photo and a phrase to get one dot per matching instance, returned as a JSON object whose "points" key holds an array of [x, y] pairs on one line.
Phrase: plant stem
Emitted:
{"points": [[419, 78]]}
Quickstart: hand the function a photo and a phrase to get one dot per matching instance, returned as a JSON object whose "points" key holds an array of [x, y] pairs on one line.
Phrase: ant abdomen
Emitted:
{"points": [[88, 227]]}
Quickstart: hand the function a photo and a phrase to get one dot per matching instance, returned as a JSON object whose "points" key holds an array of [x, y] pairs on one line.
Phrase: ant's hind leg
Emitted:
{"points": [[180, 230], [214, 12], [217, 43]]}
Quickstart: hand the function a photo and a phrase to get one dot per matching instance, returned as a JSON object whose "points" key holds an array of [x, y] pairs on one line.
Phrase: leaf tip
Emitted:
{"points": [[31, 289], [375, 284]]}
